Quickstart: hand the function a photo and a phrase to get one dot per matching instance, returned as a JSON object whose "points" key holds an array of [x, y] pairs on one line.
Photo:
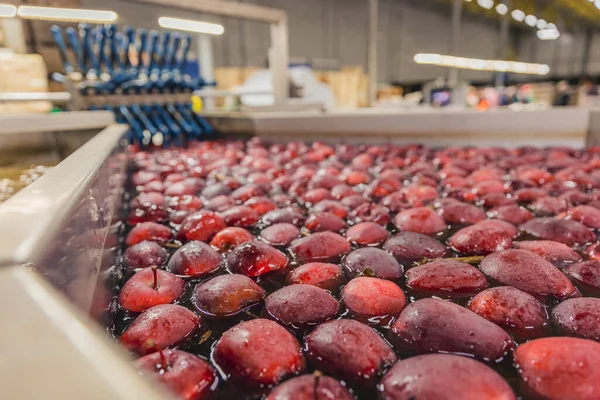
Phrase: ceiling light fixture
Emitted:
{"points": [[501, 9], [481, 65], [191, 25], [531, 20], [548, 34], [7, 11], [66, 14], [542, 24], [518, 15], [487, 4]]}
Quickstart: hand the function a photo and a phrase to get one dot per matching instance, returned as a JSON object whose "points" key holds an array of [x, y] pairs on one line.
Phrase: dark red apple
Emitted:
{"points": [[185, 375], [158, 328], [150, 287]]}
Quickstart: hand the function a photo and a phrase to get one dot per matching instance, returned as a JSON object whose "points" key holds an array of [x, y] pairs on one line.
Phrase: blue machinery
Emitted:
{"points": [[137, 74]]}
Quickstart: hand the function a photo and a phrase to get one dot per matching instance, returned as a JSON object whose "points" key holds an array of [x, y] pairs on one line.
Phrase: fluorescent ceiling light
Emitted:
{"points": [[66, 14], [487, 4], [190, 25], [597, 4], [548, 34], [518, 15], [542, 24], [428, 58], [482, 65], [7, 10], [501, 9], [531, 20]]}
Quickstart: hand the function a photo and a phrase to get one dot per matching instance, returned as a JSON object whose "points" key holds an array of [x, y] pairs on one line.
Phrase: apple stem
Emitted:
{"points": [[251, 315], [163, 360], [567, 205], [205, 337], [317, 374], [369, 273], [155, 275], [469, 260], [473, 260], [170, 245]]}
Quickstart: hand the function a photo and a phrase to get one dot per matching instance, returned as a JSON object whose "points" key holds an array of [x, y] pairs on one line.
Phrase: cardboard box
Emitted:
{"points": [[23, 73]]}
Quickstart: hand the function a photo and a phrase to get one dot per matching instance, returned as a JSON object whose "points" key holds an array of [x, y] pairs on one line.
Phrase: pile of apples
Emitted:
{"points": [[315, 271]]}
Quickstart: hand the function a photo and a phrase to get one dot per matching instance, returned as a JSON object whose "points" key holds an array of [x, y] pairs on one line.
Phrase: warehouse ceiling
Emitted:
{"points": [[569, 14]]}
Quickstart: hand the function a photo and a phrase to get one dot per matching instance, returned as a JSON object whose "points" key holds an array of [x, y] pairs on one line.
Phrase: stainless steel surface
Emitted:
{"points": [[372, 50], [59, 238], [226, 93], [279, 60], [457, 8], [204, 46], [84, 102], [544, 127], [61, 224], [292, 106], [55, 97], [232, 123], [503, 47], [50, 350], [64, 121], [593, 136]]}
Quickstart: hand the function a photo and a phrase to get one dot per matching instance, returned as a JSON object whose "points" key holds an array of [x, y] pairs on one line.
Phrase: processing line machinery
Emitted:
{"points": [[137, 74]]}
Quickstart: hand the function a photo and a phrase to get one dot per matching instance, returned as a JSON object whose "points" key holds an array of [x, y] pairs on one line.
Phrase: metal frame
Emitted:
{"points": [[114, 100], [564, 126], [56, 352], [206, 65], [372, 51], [49, 340], [279, 55], [457, 7], [17, 97], [36, 212], [18, 124], [593, 136]]}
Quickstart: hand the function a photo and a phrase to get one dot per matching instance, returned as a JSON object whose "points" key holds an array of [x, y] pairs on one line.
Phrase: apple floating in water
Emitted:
{"points": [[150, 287], [185, 375]]}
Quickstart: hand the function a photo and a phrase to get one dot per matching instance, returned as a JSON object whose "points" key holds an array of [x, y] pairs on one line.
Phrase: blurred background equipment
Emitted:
{"points": [[531, 42], [137, 74]]}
